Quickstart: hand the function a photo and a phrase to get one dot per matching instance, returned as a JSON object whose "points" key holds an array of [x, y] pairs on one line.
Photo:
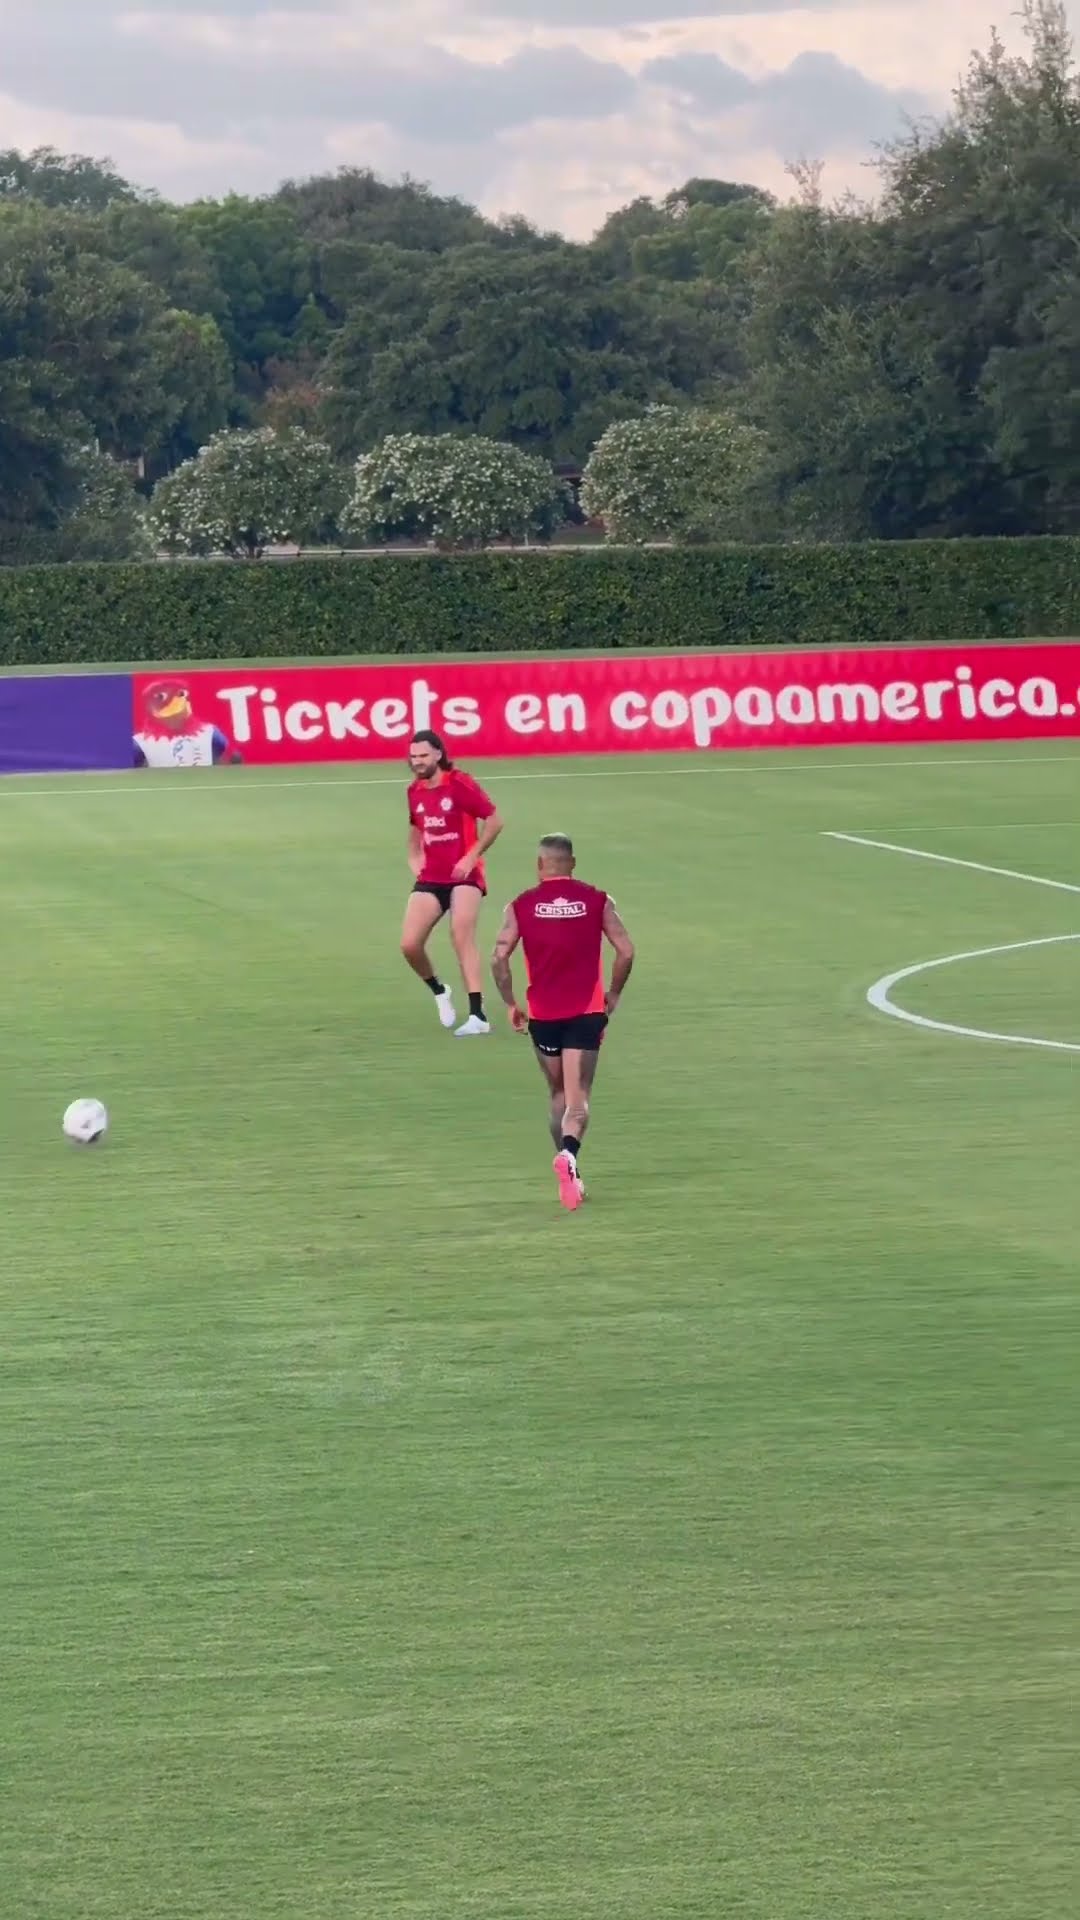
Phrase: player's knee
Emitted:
{"points": [[412, 950]]}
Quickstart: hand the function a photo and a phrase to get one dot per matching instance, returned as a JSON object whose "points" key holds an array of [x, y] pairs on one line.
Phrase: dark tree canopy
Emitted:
{"points": [[62, 180], [909, 364]]}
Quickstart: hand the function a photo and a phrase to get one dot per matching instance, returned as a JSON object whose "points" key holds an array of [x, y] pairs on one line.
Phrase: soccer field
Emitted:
{"points": [[381, 1543]]}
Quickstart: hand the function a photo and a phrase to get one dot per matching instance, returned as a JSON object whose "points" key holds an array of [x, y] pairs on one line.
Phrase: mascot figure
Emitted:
{"points": [[171, 735]]}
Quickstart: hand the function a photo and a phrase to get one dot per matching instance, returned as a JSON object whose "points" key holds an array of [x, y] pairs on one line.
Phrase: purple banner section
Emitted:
{"points": [[66, 725]]}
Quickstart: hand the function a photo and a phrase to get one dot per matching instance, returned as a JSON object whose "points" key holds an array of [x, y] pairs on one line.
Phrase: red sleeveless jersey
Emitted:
{"points": [[561, 923]]}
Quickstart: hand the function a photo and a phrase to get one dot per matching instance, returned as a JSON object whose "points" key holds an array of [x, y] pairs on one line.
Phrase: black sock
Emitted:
{"points": [[435, 985], [570, 1145], [476, 1005]]}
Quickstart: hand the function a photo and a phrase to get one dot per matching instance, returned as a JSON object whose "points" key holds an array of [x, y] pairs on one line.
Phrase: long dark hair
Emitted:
{"points": [[426, 738]]}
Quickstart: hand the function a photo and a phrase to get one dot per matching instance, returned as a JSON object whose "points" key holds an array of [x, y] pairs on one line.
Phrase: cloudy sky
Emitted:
{"points": [[559, 109]]}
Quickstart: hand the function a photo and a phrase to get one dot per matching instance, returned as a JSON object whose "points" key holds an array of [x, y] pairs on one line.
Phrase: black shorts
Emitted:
{"points": [[583, 1032], [445, 893]]}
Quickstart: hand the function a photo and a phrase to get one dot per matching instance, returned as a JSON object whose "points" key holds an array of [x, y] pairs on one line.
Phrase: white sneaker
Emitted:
{"points": [[445, 1005], [474, 1024]]}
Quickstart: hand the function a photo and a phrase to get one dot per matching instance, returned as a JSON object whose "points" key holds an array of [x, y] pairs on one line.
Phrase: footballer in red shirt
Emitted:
{"points": [[452, 823], [561, 925]]}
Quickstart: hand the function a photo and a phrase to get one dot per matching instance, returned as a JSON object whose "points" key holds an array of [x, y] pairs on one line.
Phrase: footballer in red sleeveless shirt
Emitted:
{"points": [[452, 824], [561, 925]]}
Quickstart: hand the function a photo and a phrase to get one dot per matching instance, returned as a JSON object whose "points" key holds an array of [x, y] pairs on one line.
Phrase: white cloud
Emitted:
{"points": [[152, 152]]}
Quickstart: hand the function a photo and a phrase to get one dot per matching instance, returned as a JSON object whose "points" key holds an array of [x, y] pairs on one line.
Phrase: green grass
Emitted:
{"points": [[380, 1543]]}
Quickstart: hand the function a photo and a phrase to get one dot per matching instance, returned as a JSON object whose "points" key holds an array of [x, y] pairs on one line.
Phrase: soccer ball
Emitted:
{"points": [[85, 1122]]}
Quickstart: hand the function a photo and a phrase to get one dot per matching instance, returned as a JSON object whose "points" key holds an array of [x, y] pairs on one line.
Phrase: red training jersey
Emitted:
{"points": [[445, 812], [561, 923]]}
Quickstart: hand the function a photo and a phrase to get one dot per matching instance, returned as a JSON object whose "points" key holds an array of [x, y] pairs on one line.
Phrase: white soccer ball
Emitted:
{"points": [[85, 1122]]}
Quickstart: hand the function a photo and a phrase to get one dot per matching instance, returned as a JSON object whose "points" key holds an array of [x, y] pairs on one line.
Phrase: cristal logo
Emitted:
{"points": [[561, 909]]}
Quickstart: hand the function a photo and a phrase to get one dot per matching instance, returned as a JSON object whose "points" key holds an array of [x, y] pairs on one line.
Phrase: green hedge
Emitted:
{"points": [[883, 593]]}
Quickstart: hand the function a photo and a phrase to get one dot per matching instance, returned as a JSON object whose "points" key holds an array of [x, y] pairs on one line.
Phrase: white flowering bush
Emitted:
{"points": [[673, 474], [249, 490], [459, 492]]}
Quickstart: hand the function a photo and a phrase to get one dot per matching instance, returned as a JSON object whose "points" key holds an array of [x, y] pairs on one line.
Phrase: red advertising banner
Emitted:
{"points": [[612, 704]]}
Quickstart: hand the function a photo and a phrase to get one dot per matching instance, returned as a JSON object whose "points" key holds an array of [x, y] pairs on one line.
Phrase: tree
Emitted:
{"points": [[715, 194], [614, 244], [157, 242], [249, 490], [540, 348], [293, 394], [913, 365], [91, 511], [377, 286], [705, 242], [459, 492], [38, 478], [862, 432], [121, 368], [196, 383], [354, 204], [680, 475], [62, 180], [379, 296], [263, 265], [106, 520], [985, 214]]}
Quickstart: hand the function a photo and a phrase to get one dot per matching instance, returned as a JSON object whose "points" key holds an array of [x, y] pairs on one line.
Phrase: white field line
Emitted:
{"points": [[880, 994], [950, 860], [142, 781], [966, 826]]}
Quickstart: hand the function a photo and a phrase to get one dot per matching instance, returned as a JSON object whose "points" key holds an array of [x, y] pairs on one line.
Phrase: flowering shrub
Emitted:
{"points": [[246, 491], [458, 492], [672, 474]]}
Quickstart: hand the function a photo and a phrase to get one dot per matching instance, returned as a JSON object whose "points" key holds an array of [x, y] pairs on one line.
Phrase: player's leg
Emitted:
{"points": [[464, 920], [579, 1072], [423, 911], [551, 1068], [579, 1066], [422, 915]]}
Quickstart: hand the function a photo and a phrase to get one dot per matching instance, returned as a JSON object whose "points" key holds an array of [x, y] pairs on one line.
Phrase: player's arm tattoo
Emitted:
{"points": [[509, 935], [616, 933]]}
